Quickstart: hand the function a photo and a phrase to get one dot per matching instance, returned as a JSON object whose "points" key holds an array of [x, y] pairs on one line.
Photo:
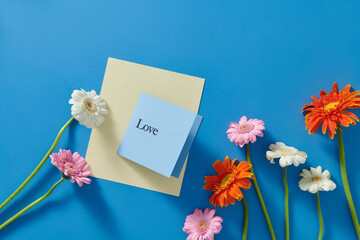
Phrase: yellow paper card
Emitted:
{"points": [[123, 83]]}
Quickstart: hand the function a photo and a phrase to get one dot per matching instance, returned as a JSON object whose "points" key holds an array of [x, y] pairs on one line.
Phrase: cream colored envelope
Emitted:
{"points": [[122, 85]]}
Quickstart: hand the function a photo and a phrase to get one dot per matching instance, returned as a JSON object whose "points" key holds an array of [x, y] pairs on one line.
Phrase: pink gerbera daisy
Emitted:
{"points": [[202, 226], [245, 131], [72, 165]]}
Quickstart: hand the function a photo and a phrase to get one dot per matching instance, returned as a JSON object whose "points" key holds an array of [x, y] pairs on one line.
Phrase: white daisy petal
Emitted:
{"points": [[272, 155], [88, 108], [299, 159], [313, 188], [326, 174], [315, 180], [312, 171], [305, 173], [326, 187], [332, 185], [304, 185], [280, 144], [303, 154], [285, 161], [287, 155], [318, 171]]}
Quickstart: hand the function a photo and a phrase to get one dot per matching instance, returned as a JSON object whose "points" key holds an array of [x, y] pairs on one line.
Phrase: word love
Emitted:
{"points": [[147, 128]]}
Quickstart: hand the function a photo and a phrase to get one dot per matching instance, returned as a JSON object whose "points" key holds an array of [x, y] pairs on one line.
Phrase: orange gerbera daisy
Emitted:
{"points": [[226, 185], [330, 111]]}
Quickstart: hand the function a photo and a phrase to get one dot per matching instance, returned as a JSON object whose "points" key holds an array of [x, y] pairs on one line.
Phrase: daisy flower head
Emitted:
{"points": [[245, 131], [316, 180], [202, 225], [88, 108], [287, 155], [72, 165], [330, 110], [226, 185]]}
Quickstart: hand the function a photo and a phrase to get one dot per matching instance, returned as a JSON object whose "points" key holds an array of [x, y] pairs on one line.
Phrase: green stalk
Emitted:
{"points": [[346, 183], [321, 231], [246, 219], [263, 206], [2, 226], [287, 226], [27, 180]]}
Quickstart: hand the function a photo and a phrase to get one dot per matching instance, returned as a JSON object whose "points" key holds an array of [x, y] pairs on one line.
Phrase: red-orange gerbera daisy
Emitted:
{"points": [[226, 185], [330, 111]]}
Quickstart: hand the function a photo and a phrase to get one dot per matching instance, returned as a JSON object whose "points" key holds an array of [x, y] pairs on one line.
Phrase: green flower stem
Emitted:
{"points": [[27, 180], [346, 183], [321, 231], [2, 226], [271, 229], [287, 226], [246, 219]]}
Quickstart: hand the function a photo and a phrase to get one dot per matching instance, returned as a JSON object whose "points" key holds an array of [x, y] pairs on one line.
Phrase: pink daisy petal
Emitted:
{"points": [[202, 225], [79, 182], [72, 165], [209, 214], [245, 131], [191, 237], [243, 119], [87, 173]]}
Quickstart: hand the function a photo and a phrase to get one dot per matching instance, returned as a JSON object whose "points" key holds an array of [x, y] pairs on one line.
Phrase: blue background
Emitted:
{"points": [[263, 59]]}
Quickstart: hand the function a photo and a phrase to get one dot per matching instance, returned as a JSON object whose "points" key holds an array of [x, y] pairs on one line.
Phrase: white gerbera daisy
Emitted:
{"points": [[316, 180], [88, 108], [287, 155]]}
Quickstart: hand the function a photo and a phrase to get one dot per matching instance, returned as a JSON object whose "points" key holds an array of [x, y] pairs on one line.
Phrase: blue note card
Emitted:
{"points": [[159, 135]]}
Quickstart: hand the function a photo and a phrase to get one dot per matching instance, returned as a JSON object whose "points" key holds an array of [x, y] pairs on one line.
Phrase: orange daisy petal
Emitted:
{"points": [[324, 126], [350, 114], [330, 110], [220, 167], [230, 198], [236, 192], [226, 185], [227, 161], [335, 88], [243, 183], [211, 182]]}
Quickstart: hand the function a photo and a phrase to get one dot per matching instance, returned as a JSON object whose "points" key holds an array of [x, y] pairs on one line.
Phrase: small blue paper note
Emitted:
{"points": [[159, 135]]}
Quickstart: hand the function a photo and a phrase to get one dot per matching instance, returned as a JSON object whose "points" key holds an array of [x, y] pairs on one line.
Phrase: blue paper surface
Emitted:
{"points": [[159, 135], [263, 59]]}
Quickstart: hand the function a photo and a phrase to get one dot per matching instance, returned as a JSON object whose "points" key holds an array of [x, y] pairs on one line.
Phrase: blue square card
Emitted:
{"points": [[159, 135]]}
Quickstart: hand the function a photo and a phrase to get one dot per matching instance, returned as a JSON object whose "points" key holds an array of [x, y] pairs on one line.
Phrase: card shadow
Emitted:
{"points": [[26, 197], [98, 208], [46, 207]]}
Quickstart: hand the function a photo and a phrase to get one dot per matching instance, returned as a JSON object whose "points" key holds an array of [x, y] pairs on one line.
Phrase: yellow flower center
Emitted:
{"points": [[90, 107], [203, 226], [286, 150], [316, 179], [225, 180], [245, 128], [331, 106]]}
